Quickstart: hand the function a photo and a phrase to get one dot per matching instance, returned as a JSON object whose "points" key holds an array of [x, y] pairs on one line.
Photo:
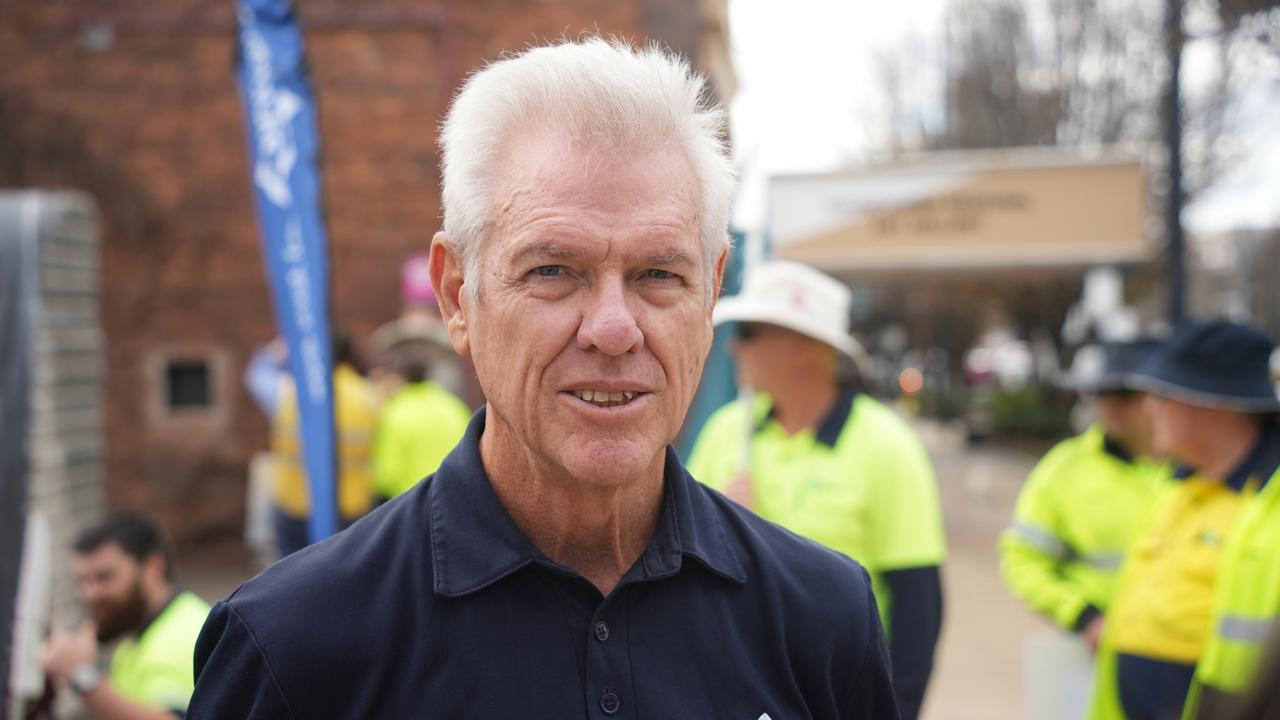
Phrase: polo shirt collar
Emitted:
{"points": [[475, 543], [828, 431], [1112, 447]]}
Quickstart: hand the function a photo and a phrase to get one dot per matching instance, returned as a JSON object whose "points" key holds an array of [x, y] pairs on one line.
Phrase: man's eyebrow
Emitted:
{"points": [[546, 249], [670, 257]]}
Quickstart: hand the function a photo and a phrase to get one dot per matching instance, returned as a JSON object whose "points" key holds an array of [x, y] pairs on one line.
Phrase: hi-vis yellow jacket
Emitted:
{"points": [[1246, 599], [1076, 515], [355, 410]]}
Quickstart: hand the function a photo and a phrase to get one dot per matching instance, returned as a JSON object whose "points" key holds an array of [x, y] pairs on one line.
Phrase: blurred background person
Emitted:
{"points": [[1247, 597], [124, 578], [416, 338], [417, 427], [818, 457], [355, 419], [1210, 402], [1075, 518]]}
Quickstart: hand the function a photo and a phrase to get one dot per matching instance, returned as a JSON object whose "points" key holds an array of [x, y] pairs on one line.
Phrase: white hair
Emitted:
{"points": [[633, 99]]}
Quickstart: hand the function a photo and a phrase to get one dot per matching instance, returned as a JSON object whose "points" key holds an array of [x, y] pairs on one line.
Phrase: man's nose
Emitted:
{"points": [[608, 324]]}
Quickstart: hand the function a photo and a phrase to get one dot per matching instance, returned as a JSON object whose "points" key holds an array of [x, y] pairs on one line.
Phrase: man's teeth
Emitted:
{"points": [[604, 399]]}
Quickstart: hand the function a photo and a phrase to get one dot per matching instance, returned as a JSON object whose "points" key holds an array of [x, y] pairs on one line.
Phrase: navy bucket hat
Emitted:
{"points": [[1109, 368], [1219, 364]]}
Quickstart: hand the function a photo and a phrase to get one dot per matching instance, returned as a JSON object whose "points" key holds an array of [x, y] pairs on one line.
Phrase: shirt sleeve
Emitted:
{"points": [[165, 687], [871, 694], [915, 618], [233, 677], [906, 525], [1032, 551]]}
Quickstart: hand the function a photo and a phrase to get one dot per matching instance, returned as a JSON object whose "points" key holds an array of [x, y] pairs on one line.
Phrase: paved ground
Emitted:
{"points": [[979, 673]]}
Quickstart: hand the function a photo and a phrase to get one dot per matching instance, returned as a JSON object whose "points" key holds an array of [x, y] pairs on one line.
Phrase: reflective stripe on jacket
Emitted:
{"points": [[1074, 519]]}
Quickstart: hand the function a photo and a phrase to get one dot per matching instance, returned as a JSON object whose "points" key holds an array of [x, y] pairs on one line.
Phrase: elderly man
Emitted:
{"points": [[561, 563], [124, 577]]}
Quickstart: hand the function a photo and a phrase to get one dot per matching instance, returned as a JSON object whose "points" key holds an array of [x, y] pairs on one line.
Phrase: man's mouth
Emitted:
{"points": [[604, 398]]}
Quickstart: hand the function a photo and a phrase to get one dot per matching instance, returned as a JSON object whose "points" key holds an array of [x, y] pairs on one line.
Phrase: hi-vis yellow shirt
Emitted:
{"points": [[156, 668], [355, 411], [1165, 598], [861, 484]]}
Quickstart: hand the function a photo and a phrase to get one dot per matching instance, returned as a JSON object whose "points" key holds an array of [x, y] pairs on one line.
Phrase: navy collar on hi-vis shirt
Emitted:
{"points": [[1259, 465], [437, 604], [828, 432], [1112, 447]]}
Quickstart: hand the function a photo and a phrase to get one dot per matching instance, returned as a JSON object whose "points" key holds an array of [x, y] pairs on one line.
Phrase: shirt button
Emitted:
{"points": [[602, 630], [610, 703]]}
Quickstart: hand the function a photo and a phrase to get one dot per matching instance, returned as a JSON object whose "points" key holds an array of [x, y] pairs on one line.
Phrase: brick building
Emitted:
{"points": [[135, 103]]}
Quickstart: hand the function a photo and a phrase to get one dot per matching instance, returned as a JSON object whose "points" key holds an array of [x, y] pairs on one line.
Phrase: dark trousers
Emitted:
{"points": [[1152, 689]]}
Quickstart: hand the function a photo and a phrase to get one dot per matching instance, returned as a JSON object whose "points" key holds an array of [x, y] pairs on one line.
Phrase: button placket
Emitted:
{"points": [[609, 661]]}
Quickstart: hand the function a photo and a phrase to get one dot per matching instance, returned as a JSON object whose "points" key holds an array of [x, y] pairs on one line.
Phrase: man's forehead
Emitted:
{"points": [[108, 553]]}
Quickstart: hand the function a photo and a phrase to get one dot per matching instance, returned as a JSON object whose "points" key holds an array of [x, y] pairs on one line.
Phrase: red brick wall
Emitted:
{"points": [[135, 102]]}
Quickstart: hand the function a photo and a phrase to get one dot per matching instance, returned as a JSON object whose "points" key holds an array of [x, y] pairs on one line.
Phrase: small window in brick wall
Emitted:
{"points": [[189, 385]]}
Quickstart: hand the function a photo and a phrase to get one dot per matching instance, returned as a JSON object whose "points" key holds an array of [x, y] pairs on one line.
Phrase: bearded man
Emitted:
{"points": [[124, 577]]}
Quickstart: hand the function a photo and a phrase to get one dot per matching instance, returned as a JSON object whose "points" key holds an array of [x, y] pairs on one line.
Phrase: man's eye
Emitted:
{"points": [[656, 274], [549, 270]]}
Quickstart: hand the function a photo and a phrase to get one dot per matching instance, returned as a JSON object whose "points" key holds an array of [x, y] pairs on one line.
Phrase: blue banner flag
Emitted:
{"points": [[284, 146]]}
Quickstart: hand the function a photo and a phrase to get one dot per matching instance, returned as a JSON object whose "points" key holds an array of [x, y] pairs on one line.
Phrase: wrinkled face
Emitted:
{"points": [[591, 324], [109, 582], [769, 357]]}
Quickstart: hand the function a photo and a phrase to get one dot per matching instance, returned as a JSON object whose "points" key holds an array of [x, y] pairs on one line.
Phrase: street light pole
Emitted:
{"points": [[1175, 252]]}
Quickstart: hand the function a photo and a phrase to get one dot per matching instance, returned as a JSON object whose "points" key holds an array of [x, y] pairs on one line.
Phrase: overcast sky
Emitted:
{"points": [[808, 98]]}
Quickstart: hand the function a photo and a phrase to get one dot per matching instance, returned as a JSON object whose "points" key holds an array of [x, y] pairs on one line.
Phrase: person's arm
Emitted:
{"points": [[1032, 552], [262, 376], [915, 619], [67, 653], [233, 677], [104, 703], [908, 546]]}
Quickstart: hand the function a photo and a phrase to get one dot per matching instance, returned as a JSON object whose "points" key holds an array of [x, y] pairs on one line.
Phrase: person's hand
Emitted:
{"points": [[740, 490], [1092, 633], [67, 651]]}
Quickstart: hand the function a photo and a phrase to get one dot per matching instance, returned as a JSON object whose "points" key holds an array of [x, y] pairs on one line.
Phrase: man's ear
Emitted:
{"points": [[155, 567], [718, 278], [447, 281]]}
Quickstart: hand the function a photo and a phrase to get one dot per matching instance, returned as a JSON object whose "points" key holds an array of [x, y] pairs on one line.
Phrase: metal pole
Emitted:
{"points": [[1175, 245]]}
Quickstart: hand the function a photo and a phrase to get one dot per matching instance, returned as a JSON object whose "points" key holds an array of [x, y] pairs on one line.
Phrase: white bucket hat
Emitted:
{"points": [[796, 297]]}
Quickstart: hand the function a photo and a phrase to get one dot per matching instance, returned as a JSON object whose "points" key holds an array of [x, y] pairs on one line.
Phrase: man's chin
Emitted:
{"points": [[609, 462]]}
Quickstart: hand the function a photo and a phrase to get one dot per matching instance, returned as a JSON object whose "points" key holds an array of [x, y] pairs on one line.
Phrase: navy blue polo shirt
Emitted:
{"points": [[438, 606]]}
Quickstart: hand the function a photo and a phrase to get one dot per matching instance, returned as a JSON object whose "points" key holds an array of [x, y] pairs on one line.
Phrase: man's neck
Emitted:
{"points": [[804, 406], [597, 530]]}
